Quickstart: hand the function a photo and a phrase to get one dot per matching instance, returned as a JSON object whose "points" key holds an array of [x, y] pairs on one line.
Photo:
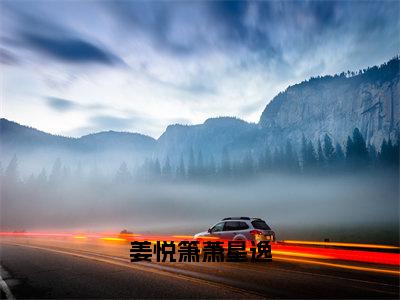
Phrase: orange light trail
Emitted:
{"points": [[186, 237], [335, 244], [300, 254], [343, 254], [342, 266], [129, 234], [291, 248], [113, 239], [4, 233]]}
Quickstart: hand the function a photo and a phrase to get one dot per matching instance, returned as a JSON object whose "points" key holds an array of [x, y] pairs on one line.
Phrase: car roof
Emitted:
{"points": [[240, 218]]}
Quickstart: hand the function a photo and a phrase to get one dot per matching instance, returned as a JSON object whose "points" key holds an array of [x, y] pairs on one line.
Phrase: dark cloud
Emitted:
{"points": [[7, 58], [61, 105], [211, 46], [69, 49], [54, 39], [267, 28], [111, 122], [199, 87], [185, 28], [155, 19], [229, 19], [195, 87]]}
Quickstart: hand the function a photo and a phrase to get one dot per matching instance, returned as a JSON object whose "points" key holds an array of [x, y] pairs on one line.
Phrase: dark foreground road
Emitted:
{"points": [[32, 271]]}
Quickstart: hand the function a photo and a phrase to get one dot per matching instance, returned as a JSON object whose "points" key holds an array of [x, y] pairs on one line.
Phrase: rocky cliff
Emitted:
{"points": [[332, 105], [208, 139], [335, 105]]}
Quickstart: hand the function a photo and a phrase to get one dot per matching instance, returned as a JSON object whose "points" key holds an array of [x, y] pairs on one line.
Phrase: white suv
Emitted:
{"points": [[240, 228]]}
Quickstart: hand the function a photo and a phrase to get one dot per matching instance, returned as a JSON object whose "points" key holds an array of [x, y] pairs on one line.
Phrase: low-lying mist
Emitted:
{"points": [[362, 208]]}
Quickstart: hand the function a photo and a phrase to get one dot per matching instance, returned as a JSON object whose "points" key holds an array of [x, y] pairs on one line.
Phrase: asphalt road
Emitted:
{"points": [[51, 270]]}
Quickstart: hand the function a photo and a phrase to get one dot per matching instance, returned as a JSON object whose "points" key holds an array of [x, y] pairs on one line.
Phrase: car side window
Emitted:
{"points": [[230, 226], [260, 224], [218, 227], [243, 226]]}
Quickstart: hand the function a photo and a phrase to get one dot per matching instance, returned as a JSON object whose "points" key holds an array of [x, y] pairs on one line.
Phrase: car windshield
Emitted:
{"points": [[218, 227], [260, 224]]}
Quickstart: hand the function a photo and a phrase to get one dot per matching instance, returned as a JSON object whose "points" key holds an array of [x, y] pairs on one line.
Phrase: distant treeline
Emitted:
{"points": [[320, 157]]}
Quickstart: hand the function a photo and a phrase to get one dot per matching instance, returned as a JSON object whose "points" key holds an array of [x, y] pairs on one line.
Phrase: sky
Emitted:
{"points": [[77, 67]]}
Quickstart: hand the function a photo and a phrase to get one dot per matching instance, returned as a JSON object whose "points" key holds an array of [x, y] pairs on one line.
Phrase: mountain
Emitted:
{"points": [[112, 140], [14, 135], [332, 105], [105, 148], [335, 105], [209, 138]]}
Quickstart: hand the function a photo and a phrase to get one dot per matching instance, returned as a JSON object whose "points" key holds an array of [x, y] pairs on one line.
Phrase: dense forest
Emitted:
{"points": [[319, 183], [318, 157]]}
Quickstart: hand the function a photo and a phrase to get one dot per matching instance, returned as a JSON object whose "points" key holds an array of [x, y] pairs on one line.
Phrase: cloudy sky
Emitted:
{"points": [[75, 67]]}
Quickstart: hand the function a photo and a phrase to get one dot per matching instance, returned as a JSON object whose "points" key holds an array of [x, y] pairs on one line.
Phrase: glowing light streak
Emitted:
{"points": [[334, 244], [343, 254], [300, 254], [383, 255], [342, 266], [113, 239]]}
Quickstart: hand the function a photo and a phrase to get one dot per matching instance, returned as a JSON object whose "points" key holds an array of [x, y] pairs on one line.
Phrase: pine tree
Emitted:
{"points": [[157, 168], [181, 170], [200, 165], [265, 160], [122, 175], [56, 172], [356, 151], [247, 165], [339, 157], [389, 155], [309, 156], [226, 167], [329, 151], [312, 157], [211, 170], [290, 157], [296, 165], [167, 170], [372, 155], [304, 152], [41, 179], [278, 160], [11, 173], [392, 152], [191, 173], [320, 156], [396, 155], [360, 148], [349, 150]]}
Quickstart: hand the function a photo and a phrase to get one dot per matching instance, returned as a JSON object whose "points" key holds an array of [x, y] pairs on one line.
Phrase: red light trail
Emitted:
{"points": [[377, 254]]}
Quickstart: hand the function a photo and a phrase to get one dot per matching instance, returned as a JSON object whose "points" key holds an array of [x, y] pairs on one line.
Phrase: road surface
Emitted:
{"points": [[38, 268]]}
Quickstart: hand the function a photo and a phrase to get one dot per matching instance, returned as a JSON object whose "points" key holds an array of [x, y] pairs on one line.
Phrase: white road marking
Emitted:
{"points": [[144, 267], [4, 287]]}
